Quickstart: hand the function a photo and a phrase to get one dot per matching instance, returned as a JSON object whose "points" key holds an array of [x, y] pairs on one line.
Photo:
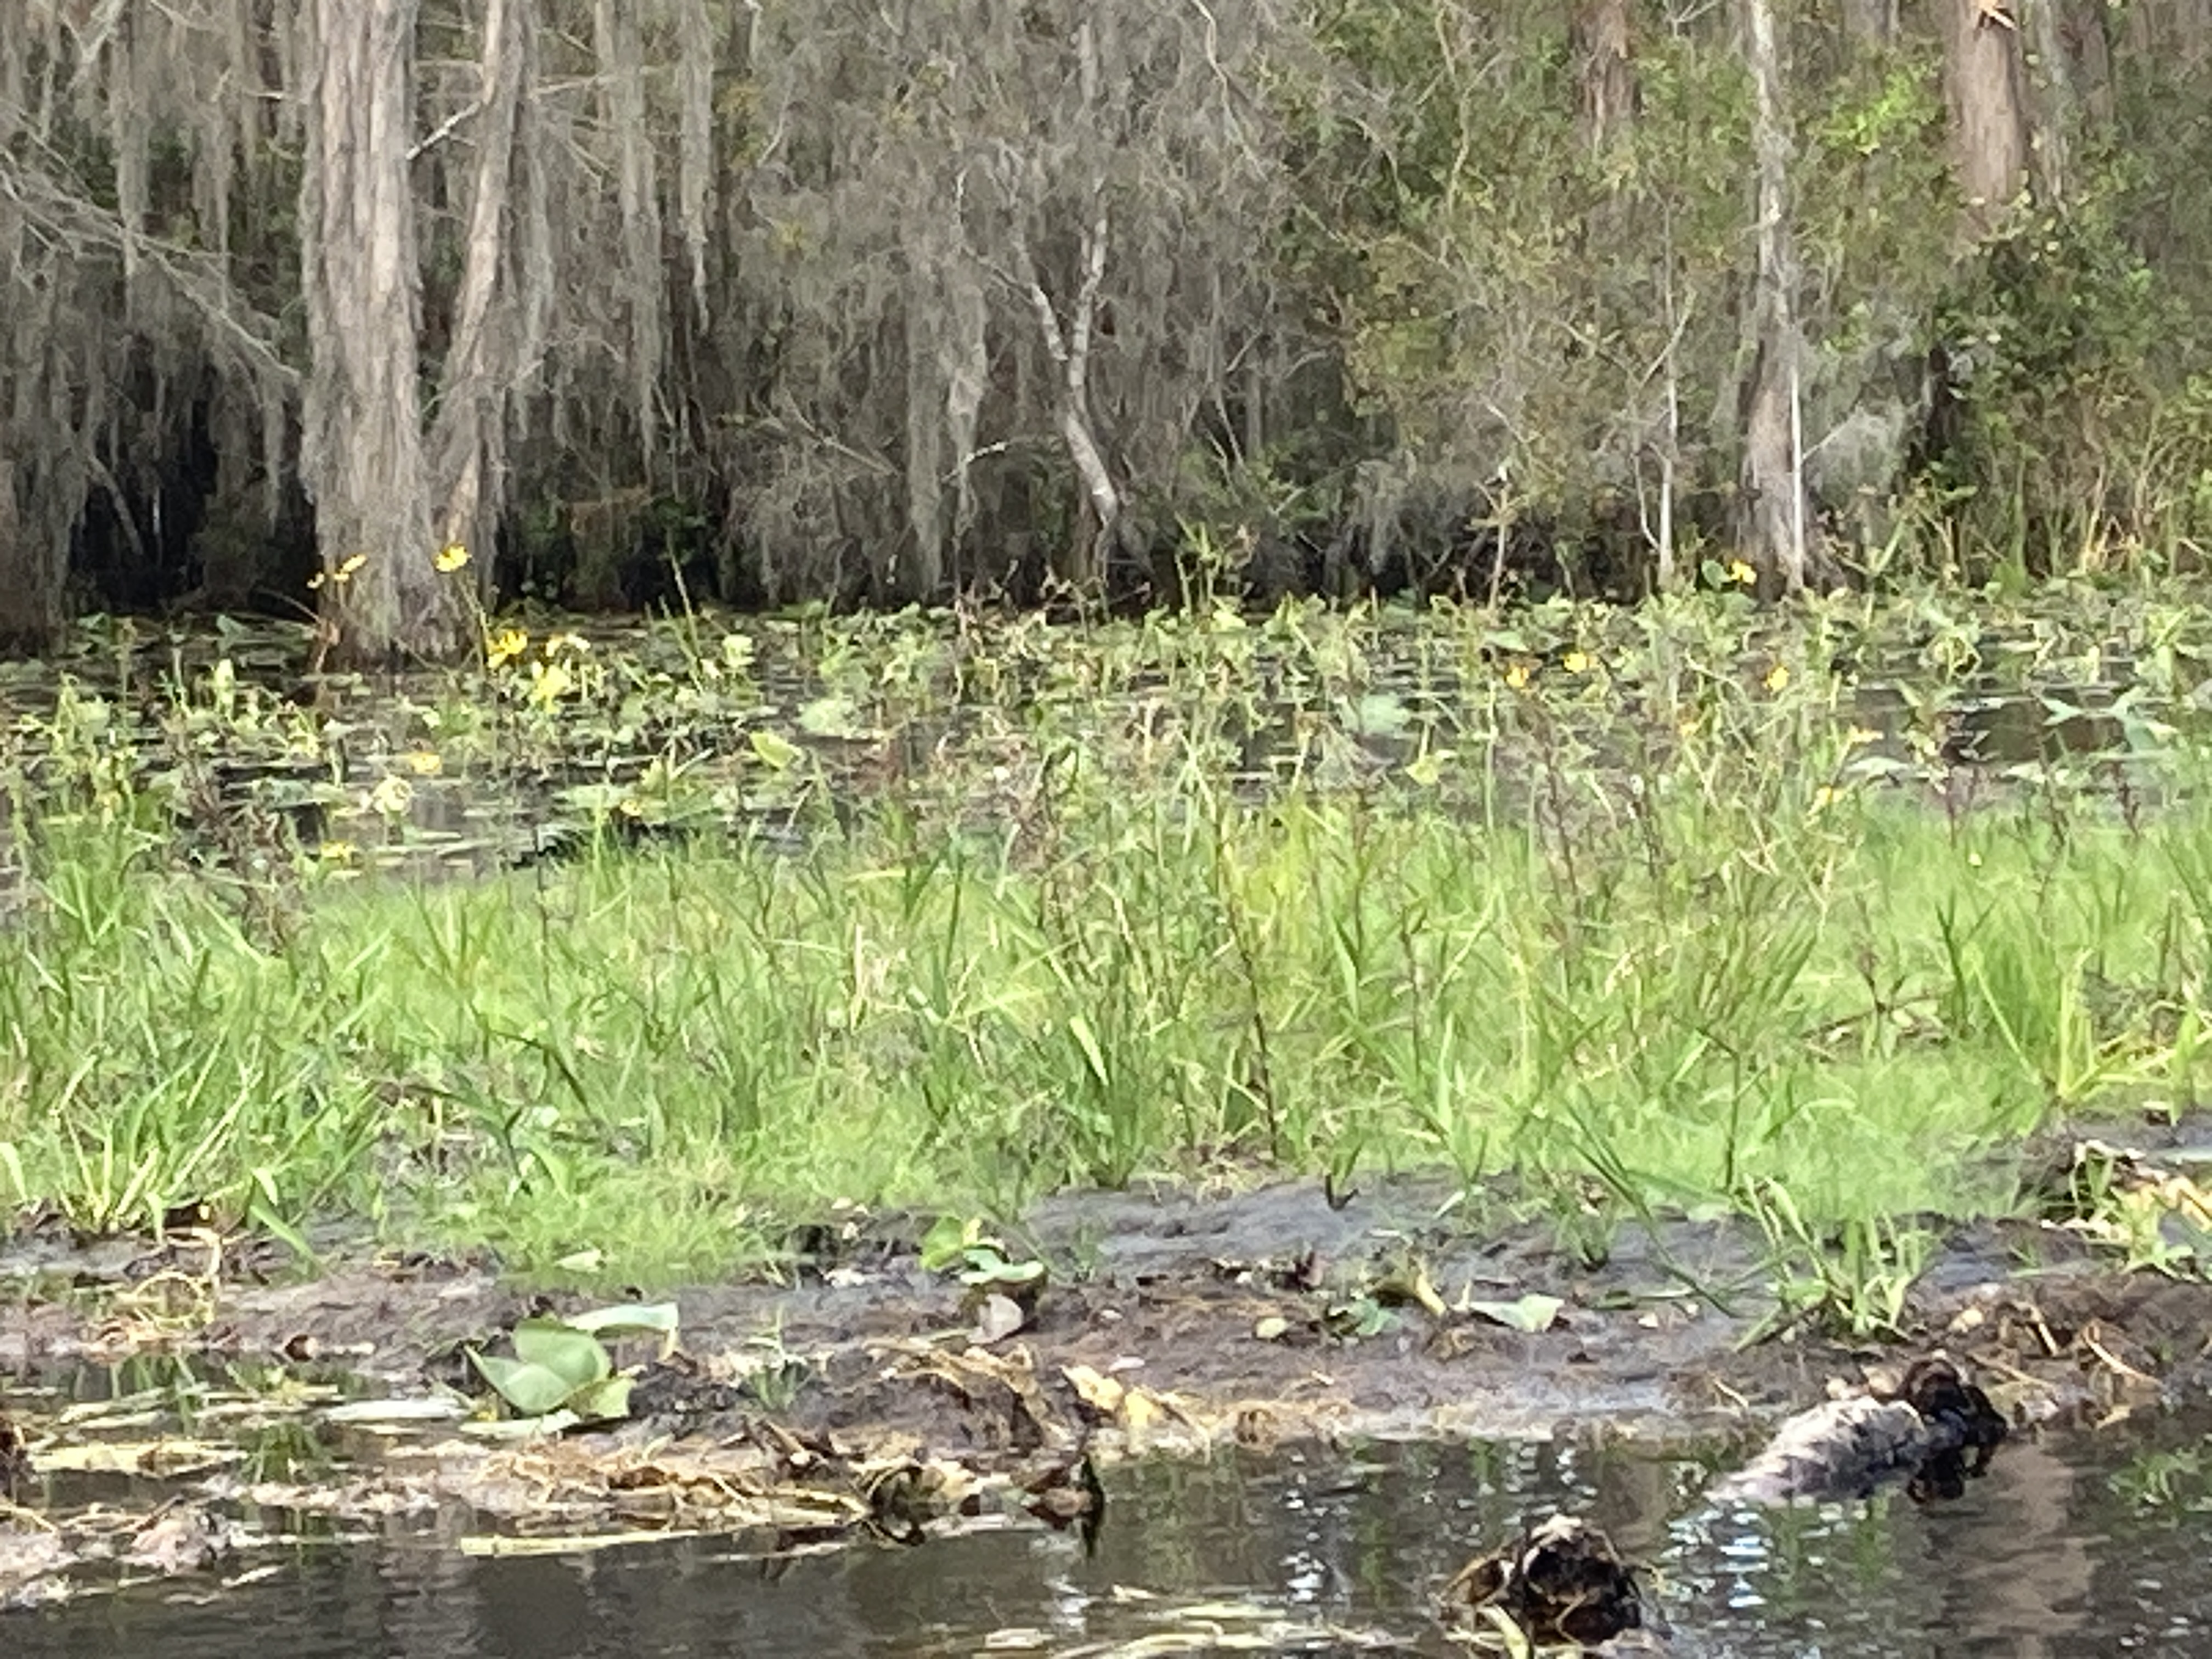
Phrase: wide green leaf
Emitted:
{"points": [[531, 1390], [577, 1356]]}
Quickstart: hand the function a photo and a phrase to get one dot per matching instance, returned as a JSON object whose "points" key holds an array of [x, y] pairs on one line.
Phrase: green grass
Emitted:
{"points": [[1674, 928]]}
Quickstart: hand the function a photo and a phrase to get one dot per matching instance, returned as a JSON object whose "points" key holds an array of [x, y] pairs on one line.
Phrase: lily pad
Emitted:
{"points": [[554, 1363]]}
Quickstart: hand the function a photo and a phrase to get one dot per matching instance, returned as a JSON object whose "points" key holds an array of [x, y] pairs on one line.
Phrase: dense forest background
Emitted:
{"points": [[877, 300]]}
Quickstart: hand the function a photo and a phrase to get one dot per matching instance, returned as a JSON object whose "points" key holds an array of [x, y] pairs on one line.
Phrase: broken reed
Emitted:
{"points": [[1641, 955]]}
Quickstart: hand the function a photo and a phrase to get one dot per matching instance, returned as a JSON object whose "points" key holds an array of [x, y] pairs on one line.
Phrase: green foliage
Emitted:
{"points": [[960, 1245], [2064, 448], [1850, 1282], [560, 1373]]}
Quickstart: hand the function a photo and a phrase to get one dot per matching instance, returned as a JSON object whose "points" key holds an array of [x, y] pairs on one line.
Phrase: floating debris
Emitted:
{"points": [[1069, 1494], [15, 1461], [179, 1537], [1560, 1583], [1934, 1433]]}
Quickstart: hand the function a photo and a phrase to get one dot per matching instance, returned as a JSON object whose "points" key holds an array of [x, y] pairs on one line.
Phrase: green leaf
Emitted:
{"points": [[1087, 1039], [948, 1240], [628, 1319], [832, 716], [531, 1390], [777, 752], [1428, 769], [601, 1402], [263, 1213], [1532, 1313], [574, 1355], [986, 1265], [1377, 714]]}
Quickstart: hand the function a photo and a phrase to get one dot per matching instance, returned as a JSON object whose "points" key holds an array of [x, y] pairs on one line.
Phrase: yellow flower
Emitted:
{"points": [[504, 647], [1516, 675], [338, 852], [425, 762], [1823, 799], [1576, 662], [1741, 573], [342, 575], [1778, 677], [549, 683], [450, 557], [392, 796]]}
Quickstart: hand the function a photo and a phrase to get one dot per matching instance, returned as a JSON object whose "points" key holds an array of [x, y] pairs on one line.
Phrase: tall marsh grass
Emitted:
{"points": [[1705, 947]]}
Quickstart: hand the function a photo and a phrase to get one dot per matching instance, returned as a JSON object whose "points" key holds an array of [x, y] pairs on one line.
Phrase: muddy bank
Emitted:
{"points": [[1267, 1314]]}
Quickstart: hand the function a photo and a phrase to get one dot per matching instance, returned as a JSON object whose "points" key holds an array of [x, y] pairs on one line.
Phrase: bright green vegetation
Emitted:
{"points": [[1632, 904]]}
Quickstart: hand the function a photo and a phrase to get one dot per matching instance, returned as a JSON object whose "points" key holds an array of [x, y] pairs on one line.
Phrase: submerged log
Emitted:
{"points": [[1934, 1433]]}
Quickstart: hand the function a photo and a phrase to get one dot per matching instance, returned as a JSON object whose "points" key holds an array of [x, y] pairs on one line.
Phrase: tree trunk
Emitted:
{"points": [[1770, 516], [2053, 101], [36, 437], [468, 442], [1870, 22], [30, 586], [2068, 77], [2181, 28], [1986, 84], [1608, 75], [618, 42], [362, 455], [2089, 51], [1083, 563]]}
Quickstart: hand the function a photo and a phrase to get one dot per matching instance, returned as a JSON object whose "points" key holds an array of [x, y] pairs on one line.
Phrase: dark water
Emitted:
{"points": [[2085, 1544], [310, 756]]}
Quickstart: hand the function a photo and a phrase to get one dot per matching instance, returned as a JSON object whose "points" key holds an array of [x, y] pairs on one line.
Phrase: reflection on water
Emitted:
{"points": [[2049, 1555]]}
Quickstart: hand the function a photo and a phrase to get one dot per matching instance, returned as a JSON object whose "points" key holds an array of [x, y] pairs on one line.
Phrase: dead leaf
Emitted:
{"points": [[997, 1318], [1102, 1394]]}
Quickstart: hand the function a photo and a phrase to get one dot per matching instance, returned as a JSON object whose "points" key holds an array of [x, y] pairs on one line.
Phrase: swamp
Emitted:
{"points": [[928, 1132], [1105, 827]]}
